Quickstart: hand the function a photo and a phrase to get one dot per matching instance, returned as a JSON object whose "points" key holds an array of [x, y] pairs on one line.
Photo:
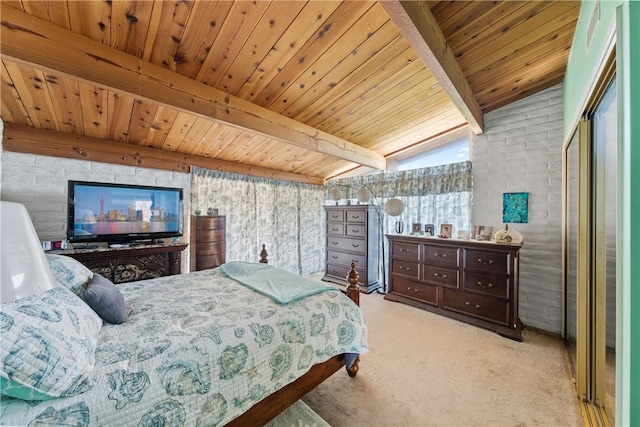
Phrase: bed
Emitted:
{"points": [[196, 349]]}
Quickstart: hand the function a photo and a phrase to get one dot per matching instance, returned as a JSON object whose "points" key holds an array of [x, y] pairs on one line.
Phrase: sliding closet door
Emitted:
{"points": [[571, 162], [605, 143], [590, 242]]}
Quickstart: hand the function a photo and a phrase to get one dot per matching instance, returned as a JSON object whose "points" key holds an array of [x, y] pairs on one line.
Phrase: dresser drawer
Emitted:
{"points": [[341, 272], [356, 216], [441, 255], [210, 248], [482, 307], [489, 284], [406, 268], [412, 289], [497, 262], [355, 230], [211, 235], [335, 215], [343, 258], [210, 222], [346, 244], [335, 229], [404, 250], [440, 276], [204, 262]]}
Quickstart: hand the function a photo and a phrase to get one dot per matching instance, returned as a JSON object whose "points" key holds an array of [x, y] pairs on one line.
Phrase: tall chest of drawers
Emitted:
{"points": [[208, 242], [352, 236], [476, 282]]}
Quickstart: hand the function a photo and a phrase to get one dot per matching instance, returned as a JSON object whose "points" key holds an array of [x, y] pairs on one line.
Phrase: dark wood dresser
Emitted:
{"points": [[129, 264], [476, 282], [352, 236], [208, 241]]}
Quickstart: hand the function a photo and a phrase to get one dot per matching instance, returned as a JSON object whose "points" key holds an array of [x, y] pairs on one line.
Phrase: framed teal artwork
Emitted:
{"points": [[515, 207]]}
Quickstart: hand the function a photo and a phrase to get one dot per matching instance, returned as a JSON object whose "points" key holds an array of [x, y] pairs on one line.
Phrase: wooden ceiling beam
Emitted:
{"points": [[32, 41], [418, 25], [26, 139]]}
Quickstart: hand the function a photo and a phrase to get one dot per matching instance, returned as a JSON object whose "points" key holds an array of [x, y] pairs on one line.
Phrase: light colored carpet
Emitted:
{"points": [[427, 370]]}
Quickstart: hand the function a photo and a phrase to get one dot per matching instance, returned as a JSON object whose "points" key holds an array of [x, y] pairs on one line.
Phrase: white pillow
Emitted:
{"points": [[47, 345], [70, 273]]}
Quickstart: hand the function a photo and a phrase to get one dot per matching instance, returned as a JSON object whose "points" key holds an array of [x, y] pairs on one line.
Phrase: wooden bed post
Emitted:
{"points": [[263, 255], [353, 290]]}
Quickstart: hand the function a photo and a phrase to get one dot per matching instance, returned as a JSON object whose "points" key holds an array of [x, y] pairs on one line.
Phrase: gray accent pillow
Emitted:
{"points": [[105, 299]]}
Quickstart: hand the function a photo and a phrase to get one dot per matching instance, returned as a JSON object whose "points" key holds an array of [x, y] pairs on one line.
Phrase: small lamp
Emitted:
{"points": [[364, 195], [335, 194], [24, 269]]}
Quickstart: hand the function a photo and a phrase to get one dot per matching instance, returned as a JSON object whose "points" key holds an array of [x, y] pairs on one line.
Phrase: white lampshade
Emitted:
{"points": [[336, 194], [24, 269], [394, 207], [364, 195]]}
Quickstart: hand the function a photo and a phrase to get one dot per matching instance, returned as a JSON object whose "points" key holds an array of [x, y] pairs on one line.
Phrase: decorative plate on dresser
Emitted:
{"points": [[352, 236], [472, 281]]}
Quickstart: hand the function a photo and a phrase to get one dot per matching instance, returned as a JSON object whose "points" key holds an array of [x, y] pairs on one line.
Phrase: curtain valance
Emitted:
{"points": [[435, 180]]}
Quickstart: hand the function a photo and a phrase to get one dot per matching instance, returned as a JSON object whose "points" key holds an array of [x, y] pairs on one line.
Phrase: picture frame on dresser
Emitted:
{"points": [[428, 229], [416, 228], [445, 230]]}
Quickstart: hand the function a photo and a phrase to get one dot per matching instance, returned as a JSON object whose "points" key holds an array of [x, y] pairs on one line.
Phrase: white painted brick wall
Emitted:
{"points": [[521, 150], [40, 183]]}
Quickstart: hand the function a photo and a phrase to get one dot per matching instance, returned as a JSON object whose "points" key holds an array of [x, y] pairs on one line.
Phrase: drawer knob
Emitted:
{"points": [[334, 229], [414, 290], [334, 216], [355, 245], [354, 230], [444, 276], [355, 216], [487, 286], [481, 261], [406, 251], [403, 268], [335, 271], [334, 243], [336, 257], [474, 306], [440, 255]]}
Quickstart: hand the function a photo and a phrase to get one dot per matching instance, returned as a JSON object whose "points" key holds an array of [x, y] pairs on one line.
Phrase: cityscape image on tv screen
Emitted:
{"points": [[104, 210]]}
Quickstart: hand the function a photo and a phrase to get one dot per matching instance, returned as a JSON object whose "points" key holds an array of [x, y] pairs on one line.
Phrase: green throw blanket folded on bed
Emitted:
{"points": [[280, 285]]}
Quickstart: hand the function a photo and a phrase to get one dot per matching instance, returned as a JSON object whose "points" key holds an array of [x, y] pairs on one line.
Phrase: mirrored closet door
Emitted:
{"points": [[590, 240], [605, 142]]}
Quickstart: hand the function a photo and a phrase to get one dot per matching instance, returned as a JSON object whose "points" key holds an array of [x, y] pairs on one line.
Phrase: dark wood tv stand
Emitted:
{"points": [[129, 264]]}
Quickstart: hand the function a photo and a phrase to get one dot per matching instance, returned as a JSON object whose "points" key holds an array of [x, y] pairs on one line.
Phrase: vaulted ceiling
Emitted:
{"points": [[297, 90]]}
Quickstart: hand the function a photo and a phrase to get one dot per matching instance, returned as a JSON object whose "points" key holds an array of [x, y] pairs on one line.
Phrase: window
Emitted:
{"points": [[451, 152]]}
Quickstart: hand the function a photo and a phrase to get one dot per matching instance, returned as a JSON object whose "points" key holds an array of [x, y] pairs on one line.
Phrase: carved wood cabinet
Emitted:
{"points": [[352, 236], [476, 282], [208, 241], [130, 264]]}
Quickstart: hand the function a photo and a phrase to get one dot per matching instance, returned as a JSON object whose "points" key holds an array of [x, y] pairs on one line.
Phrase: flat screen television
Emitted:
{"points": [[105, 212]]}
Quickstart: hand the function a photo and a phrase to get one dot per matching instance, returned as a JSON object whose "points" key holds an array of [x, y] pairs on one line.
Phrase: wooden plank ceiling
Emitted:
{"points": [[294, 90]]}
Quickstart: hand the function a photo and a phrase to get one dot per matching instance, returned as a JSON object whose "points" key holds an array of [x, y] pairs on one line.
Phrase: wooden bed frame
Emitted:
{"points": [[269, 407]]}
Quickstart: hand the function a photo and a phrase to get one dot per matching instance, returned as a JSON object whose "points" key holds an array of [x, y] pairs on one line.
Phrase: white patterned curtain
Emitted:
{"points": [[434, 195], [285, 216]]}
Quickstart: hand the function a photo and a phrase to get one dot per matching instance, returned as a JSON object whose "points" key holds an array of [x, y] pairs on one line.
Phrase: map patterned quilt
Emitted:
{"points": [[198, 349]]}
